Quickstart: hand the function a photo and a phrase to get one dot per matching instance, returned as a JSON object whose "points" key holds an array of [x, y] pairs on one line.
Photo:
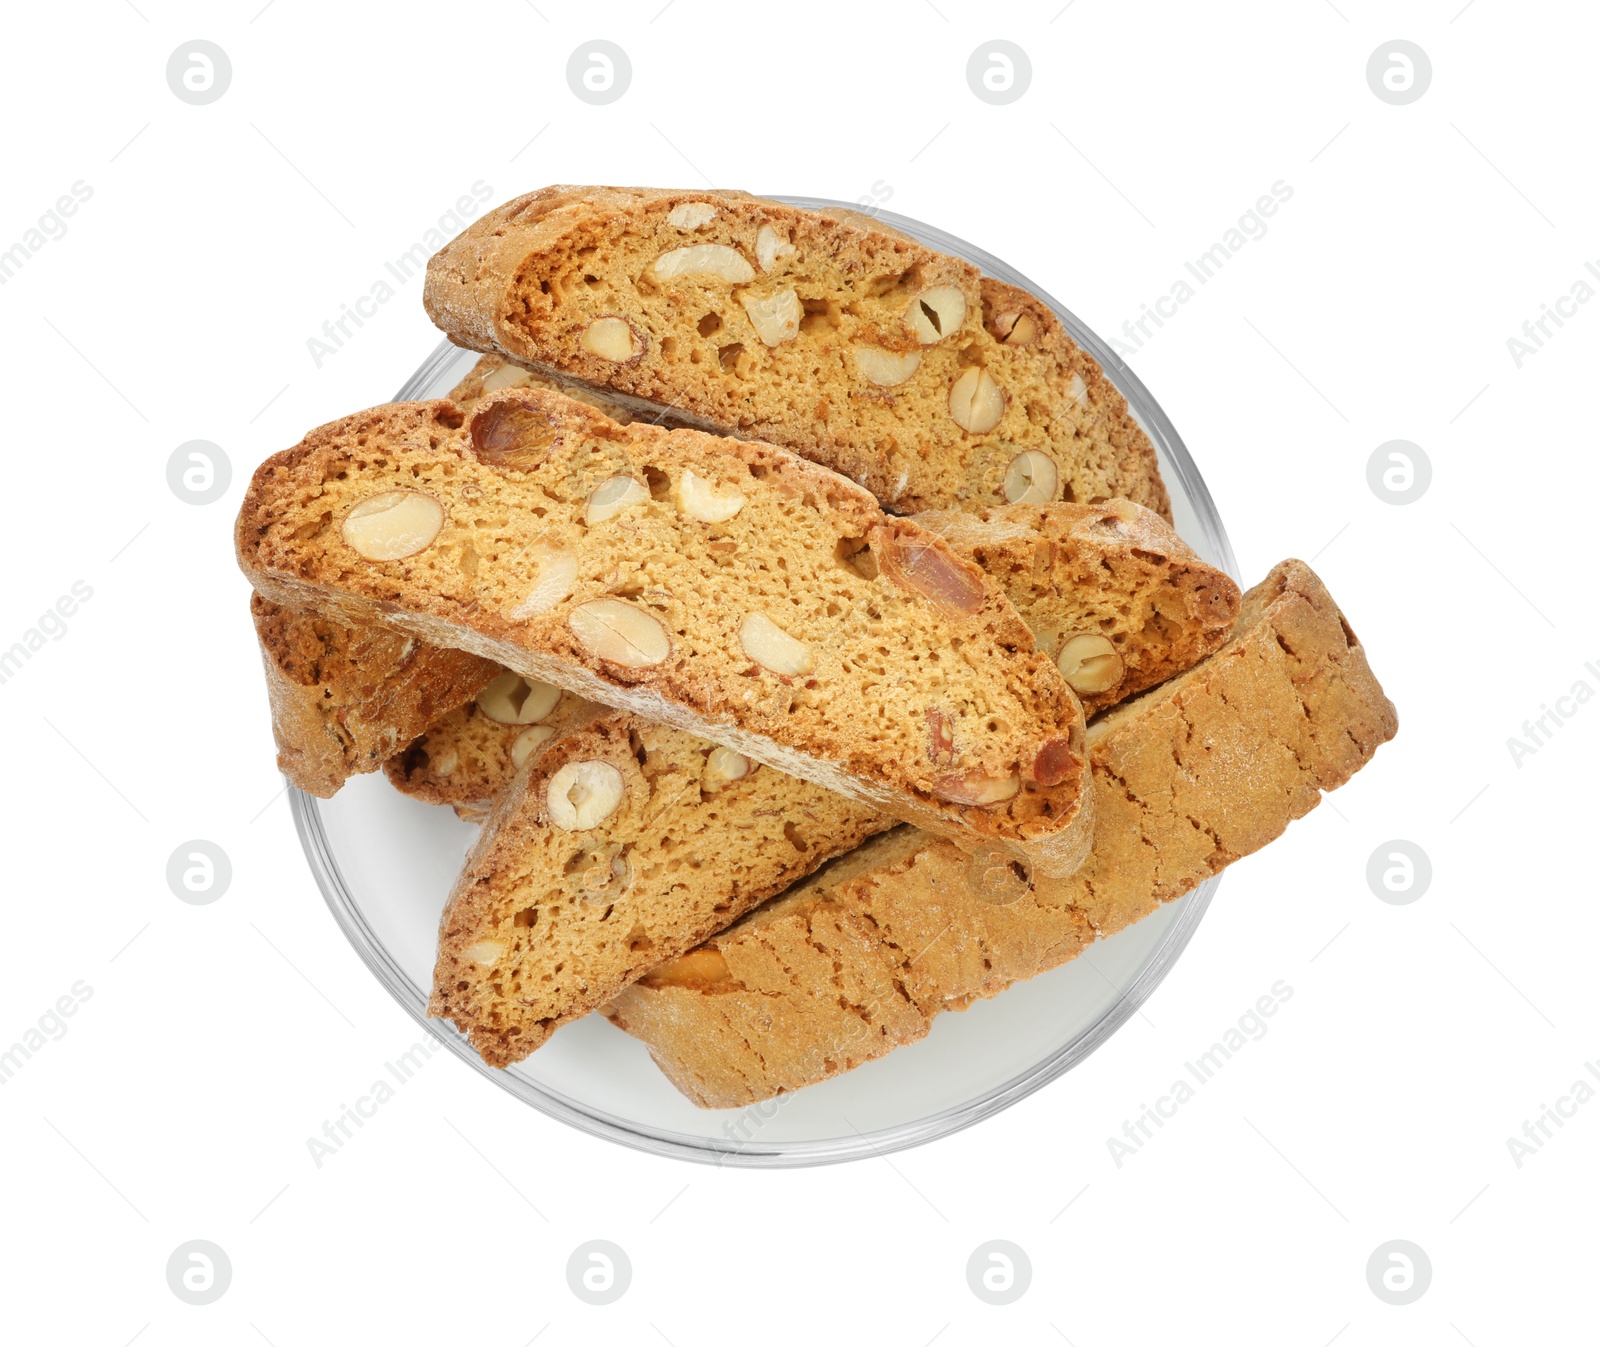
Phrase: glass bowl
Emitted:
{"points": [[385, 864]]}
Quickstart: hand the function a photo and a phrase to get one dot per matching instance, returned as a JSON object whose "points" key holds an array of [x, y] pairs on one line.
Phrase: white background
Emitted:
{"points": [[178, 306]]}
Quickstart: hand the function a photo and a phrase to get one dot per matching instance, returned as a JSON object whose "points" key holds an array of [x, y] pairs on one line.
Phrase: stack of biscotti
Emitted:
{"points": [[726, 588], [1189, 777], [761, 540], [530, 880], [535, 531], [901, 355]]}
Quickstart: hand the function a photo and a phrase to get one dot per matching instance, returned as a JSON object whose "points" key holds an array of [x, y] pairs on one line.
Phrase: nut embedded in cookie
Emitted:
{"points": [[1090, 663], [393, 525], [620, 633], [583, 795]]}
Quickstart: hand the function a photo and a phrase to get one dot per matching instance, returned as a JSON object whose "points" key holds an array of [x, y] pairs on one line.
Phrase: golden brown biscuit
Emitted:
{"points": [[848, 342], [619, 845]]}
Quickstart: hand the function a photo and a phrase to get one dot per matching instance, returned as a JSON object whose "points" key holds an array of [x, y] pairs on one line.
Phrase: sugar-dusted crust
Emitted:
{"points": [[910, 704], [1188, 778], [465, 758], [344, 699], [1115, 570], [529, 278], [545, 924]]}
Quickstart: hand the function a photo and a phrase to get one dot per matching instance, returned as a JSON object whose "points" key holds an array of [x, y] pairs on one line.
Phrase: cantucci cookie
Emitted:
{"points": [[620, 844], [470, 754], [727, 588], [898, 366], [1110, 590], [1188, 778], [492, 373], [345, 699]]}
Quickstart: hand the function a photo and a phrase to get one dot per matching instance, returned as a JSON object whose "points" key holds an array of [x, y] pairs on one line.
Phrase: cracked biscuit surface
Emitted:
{"points": [[1188, 778], [824, 331], [731, 589]]}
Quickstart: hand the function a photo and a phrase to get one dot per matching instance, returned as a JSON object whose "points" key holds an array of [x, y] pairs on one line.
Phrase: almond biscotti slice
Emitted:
{"points": [[848, 342], [344, 698], [731, 589], [470, 754], [1110, 590], [620, 845], [1188, 778]]}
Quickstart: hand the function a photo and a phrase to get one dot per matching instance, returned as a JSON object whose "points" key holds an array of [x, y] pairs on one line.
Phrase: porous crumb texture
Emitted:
{"points": [[1114, 570], [800, 626], [1188, 778], [466, 757], [548, 921], [345, 698], [492, 373], [898, 366]]}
